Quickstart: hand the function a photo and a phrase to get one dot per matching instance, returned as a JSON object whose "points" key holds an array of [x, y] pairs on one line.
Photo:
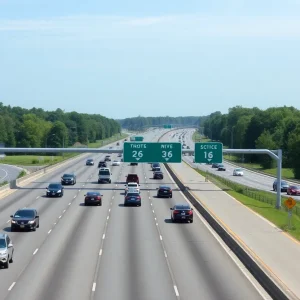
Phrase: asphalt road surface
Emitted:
{"points": [[111, 251], [8, 172]]}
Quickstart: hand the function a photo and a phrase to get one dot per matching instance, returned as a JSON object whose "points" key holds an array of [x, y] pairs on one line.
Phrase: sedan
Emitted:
{"points": [[102, 164], [293, 190], [164, 191], [68, 179], [132, 185], [284, 186], [116, 163], [158, 175], [238, 172], [215, 165], [107, 158], [133, 199], [26, 218], [94, 198], [89, 162], [221, 167], [181, 212], [55, 190]]}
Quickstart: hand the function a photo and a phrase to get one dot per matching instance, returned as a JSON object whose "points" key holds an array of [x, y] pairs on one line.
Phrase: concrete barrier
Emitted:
{"points": [[272, 287]]}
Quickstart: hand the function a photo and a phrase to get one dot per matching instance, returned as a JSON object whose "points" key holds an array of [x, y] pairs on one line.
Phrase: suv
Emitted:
{"points": [[6, 250], [68, 179], [25, 218], [104, 175], [284, 186], [102, 164], [132, 178]]}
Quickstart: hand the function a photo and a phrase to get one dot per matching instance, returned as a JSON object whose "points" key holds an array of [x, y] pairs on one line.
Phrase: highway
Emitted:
{"points": [[250, 178], [111, 251], [8, 172]]}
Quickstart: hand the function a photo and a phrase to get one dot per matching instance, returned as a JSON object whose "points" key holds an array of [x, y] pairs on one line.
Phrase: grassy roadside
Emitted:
{"points": [[36, 160], [197, 138], [261, 202]]}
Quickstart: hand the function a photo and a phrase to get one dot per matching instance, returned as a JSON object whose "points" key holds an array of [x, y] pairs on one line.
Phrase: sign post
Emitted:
{"points": [[209, 152], [289, 204], [152, 152]]}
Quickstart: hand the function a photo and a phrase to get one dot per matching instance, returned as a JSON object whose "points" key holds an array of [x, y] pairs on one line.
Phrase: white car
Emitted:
{"points": [[132, 185], [115, 163], [238, 172]]}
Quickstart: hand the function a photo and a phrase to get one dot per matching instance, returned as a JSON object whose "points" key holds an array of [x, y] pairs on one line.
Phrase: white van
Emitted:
{"points": [[104, 175]]}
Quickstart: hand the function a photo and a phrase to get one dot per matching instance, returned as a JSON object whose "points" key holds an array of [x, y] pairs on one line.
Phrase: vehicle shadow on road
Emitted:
{"points": [[168, 221], [7, 229]]}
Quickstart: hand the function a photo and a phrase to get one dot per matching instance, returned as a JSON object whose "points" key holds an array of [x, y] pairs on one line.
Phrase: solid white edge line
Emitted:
{"points": [[37, 197], [156, 224], [64, 211], [107, 217], [12, 285], [109, 210], [8, 221], [165, 254], [176, 291], [94, 287], [153, 211], [54, 223], [35, 251], [103, 236], [49, 231], [100, 252], [74, 196]]}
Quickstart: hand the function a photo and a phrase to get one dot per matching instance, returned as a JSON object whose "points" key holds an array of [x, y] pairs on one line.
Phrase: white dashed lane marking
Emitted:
{"points": [[12, 285], [35, 251], [103, 237], [94, 287], [49, 231], [100, 252]]}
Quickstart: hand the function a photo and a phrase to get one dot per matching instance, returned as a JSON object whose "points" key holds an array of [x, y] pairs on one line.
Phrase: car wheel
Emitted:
{"points": [[173, 221], [34, 229], [6, 265], [85, 203], [11, 260], [191, 221]]}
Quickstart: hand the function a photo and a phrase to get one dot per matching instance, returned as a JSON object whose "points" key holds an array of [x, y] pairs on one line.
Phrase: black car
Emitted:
{"points": [[94, 198], [182, 212], [107, 158], [89, 162], [158, 175], [164, 191], [68, 179], [221, 167], [215, 165], [55, 190], [102, 164], [132, 199], [134, 164], [25, 218], [284, 185]]}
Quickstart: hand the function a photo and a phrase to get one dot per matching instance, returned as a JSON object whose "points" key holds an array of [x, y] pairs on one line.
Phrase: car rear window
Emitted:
{"points": [[92, 194], [132, 194], [104, 172], [182, 207], [54, 186]]}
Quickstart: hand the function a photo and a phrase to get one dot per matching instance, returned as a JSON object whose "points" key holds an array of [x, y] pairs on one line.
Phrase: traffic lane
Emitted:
{"points": [[75, 215], [50, 210], [28, 195], [132, 264], [201, 267], [9, 172]]}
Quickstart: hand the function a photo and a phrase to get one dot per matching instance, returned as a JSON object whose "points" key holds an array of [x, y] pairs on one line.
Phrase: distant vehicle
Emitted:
{"points": [[284, 185], [55, 190], [107, 158], [187, 147], [156, 169], [221, 167], [215, 165], [120, 155], [110, 147], [125, 140], [104, 175], [25, 218], [6, 250], [133, 163], [132, 185], [132, 178], [293, 190], [102, 164], [89, 162], [132, 199], [238, 172], [182, 212], [94, 198], [164, 191], [158, 175], [115, 163], [155, 165], [118, 144], [68, 179]]}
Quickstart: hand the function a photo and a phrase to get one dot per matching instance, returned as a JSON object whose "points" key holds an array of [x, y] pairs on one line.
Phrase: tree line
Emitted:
{"points": [[34, 128], [142, 123], [250, 128]]}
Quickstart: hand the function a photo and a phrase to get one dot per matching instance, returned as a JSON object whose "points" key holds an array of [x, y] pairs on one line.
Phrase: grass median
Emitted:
{"points": [[261, 202], [38, 160]]}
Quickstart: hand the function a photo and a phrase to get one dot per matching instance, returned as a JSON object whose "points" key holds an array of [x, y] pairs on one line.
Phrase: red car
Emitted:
{"points": [[293, 190], [132, 178]]}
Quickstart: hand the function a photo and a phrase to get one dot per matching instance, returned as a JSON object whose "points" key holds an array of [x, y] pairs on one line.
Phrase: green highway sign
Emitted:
{"points": [[208, 152], [152, 152], [167, 126], [139, 138]]}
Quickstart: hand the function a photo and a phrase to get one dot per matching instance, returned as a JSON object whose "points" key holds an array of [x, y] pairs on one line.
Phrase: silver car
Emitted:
{"points": [[238, 172], [6, 250]]}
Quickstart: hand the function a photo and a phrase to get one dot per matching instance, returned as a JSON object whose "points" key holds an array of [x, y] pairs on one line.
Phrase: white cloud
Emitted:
{"points": [[180, 26]]}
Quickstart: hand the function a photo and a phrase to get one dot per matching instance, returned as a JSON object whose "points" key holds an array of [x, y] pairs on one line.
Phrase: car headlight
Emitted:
{"points": [[3, 253], [59, 191], [31, 222], [13, 221]]}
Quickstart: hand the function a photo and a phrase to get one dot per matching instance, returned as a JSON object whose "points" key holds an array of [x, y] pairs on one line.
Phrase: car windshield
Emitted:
{"points": [[104, 172], [24, 214], [238, 170], [92, 194], [2, 243], [67, 175], [182, 207], [54, 186], [284, 182]]}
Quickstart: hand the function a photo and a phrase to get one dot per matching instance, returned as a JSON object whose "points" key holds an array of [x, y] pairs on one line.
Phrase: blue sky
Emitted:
{"points": [[127, 58]]}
